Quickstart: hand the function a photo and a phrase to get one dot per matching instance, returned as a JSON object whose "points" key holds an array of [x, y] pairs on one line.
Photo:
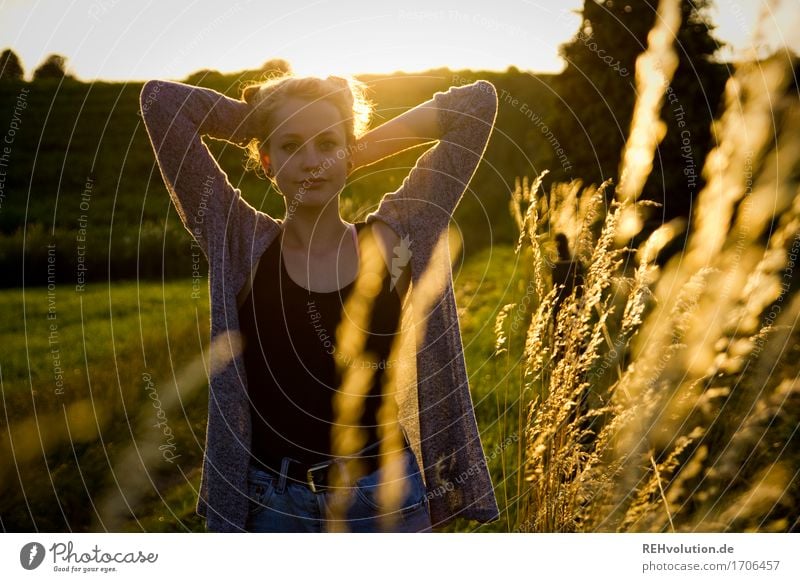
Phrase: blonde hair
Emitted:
{"points": [[346, 93]]}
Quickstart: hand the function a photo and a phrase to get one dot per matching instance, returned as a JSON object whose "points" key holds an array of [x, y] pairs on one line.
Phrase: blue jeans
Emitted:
{"points": [[280, 505]]}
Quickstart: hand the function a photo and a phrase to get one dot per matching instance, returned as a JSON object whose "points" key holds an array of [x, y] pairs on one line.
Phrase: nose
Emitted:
{"points": [[312, 157]]}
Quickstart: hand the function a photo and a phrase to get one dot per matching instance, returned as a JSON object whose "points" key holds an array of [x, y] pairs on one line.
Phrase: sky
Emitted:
{"points": [[145, 39]]}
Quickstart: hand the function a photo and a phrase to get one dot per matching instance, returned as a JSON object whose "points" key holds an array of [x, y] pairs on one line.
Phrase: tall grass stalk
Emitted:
{"points": [[667, 395]]}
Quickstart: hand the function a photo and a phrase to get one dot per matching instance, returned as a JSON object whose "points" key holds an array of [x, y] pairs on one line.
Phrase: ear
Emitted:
{"points": [[265, 162]]}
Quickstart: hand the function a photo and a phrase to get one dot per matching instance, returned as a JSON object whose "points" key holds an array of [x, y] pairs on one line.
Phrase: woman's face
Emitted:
{"points": [[307, 151]]}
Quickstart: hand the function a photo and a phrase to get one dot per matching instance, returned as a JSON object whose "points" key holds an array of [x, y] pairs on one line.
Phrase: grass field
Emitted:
{"points": [[654, 392], [102, 365]]}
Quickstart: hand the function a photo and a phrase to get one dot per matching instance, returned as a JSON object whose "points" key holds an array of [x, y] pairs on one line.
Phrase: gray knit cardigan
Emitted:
{"points": [[435, 406]]}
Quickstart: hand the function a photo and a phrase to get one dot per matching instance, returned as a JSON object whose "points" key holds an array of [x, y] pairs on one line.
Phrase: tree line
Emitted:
{"points": [[53, 67]]}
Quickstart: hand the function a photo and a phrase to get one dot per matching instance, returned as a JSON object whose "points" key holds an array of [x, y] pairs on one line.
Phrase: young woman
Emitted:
{"points": [[281, 285]]}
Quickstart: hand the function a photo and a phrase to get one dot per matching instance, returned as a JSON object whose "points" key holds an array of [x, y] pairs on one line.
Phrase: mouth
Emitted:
{"points": [[312, 182]]}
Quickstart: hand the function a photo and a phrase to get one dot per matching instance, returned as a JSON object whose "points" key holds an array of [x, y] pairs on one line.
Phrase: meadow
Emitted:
{"points": [[125, 431], [617, 387]]}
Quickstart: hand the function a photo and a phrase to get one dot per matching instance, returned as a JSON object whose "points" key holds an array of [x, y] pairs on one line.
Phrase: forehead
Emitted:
{"points": [[306, 118]]}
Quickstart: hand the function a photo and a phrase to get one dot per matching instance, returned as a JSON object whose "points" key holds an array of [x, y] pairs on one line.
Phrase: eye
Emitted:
{"points": [[329, 144], [289, 146]]}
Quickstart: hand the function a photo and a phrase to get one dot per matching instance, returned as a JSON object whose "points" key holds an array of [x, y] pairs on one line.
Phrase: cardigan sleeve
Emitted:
{"points": [[175, 116], [429, 194]]}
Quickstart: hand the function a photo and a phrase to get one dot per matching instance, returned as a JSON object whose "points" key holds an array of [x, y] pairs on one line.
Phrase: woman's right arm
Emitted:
{"points": [[462, 119], [175, 116]]}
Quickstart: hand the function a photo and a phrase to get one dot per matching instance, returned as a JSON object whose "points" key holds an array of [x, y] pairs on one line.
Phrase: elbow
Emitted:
{"points": [[468, 106], [486, 99], [487, 88], [148, 97]]}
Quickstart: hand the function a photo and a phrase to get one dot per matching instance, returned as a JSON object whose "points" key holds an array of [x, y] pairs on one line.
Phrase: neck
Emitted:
{"points": [[317, 230]]}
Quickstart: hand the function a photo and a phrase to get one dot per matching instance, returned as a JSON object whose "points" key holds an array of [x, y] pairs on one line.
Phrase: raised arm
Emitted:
{"points": [[176, 115], [424, 203], [414, 127]]}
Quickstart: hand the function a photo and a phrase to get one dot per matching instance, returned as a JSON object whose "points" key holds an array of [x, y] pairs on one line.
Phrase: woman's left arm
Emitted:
{"points": [[414, 127], [461, 119]]}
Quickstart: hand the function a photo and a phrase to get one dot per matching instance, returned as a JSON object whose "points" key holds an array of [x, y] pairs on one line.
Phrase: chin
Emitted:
{"points": [[310, 198], [327, 190]]}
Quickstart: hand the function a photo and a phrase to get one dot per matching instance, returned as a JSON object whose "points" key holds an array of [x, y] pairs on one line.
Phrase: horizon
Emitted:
{"points": [[101, 38]]}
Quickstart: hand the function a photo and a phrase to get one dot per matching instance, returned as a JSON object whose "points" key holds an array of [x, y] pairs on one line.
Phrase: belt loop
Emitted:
{"points": [[405, 438], [284, 472]]}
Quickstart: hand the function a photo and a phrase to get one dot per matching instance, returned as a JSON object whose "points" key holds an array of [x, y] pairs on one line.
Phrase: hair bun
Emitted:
{"points": [[249, 93], [338, 80]]}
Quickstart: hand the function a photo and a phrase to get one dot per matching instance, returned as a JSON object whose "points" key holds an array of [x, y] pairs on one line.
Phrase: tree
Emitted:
{"points": [[276, 65], [10, 66], [270, 68], [205, 78], [598, 86], [53, 67]]}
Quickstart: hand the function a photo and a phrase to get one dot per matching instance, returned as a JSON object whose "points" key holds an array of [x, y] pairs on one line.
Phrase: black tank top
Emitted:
{"points": [[289, 348]]}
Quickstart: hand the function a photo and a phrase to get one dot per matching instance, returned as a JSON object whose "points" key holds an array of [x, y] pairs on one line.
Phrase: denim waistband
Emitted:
{"points": [[257, 468]]}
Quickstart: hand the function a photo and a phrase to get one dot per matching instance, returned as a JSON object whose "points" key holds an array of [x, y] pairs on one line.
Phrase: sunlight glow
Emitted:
{"points": [[109, 39], [114, 40]]}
